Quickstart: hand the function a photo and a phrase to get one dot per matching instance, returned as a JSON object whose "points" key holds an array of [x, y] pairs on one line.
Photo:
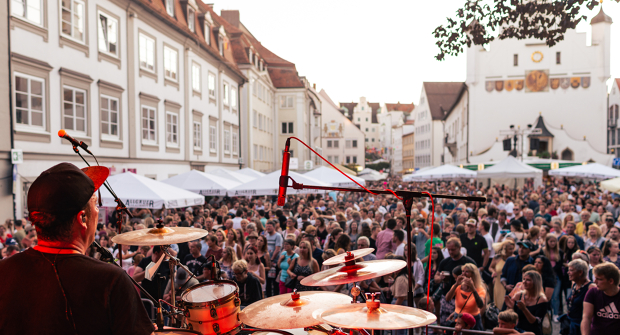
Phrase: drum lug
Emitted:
{"points": [[237, 302], [216, 328], [186, 313], [190, 327], [213, 312]]}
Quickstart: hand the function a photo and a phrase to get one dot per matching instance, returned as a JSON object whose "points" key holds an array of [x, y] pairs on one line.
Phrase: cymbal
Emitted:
{"points": [[284, 312], [359, 253], [358, 316], [160, 236], [353, 273]]}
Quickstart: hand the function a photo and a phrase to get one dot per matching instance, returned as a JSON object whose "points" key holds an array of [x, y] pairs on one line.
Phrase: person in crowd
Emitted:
{"points": [[249, 286], [503, 251], [570, 247], [385, 238], [420, 236], [530, 304], [194, 260], [596, 257], [363, 243], [552, 251], [343, 244], [255, 266], [398, 290], [469, 294], [507, 321], [229, 257], [570, 231], [594, 237], [455, 259], [600, 311], [543, 266], [511, 272], [303, 266], [274, 246], [475, 244], [127, 256], [181, 283], [437, 241], [399, 241], [286, 257], [214, 248], [464, 321], [578, 274], [610, 252]]}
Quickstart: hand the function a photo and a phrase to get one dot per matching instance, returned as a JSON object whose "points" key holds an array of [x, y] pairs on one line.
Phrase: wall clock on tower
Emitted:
{"points": [[537, 56]]}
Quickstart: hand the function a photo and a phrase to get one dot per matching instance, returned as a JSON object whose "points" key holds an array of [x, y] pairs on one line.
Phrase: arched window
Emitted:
{"points": [[567, 154]]}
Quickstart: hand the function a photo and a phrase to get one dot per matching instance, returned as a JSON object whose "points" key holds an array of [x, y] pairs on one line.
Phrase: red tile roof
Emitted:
{"points": [[405, 108], [618, 82]]}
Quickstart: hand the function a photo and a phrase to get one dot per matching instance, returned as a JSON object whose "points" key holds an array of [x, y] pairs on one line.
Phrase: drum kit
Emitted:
{"points": [[214, 308]]}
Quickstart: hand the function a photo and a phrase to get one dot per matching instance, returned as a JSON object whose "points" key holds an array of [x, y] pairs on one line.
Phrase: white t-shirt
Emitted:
{"points": [[489, 239], [400, 250], [237, 223], [127, 262]]}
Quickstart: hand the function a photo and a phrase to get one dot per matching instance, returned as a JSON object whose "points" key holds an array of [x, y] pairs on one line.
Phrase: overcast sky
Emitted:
{"points": [[383, 50]]}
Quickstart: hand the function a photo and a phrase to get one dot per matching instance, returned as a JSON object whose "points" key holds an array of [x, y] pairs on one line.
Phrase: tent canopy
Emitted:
{"points": [[593, 170], [268, 185], [232, 175], [612, 185], [251, 172], [334, 177], [372, 175], [202, 183], [510, 167], [443, 172], [141, 192]]}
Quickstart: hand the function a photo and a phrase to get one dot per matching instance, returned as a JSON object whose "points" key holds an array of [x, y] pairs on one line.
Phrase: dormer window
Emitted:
{"points": [[170, 7], [207, 32], [191, 19]]}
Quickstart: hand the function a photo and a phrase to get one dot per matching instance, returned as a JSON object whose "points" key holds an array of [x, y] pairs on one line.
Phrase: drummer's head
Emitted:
{"points": [[62, 204]]}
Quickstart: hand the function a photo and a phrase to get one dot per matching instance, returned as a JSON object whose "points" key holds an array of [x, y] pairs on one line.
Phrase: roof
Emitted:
{"points": [[540, 124], [375, 108], [618, 82], [601, 17], [405, 108], [349, 106], [441, 96]]}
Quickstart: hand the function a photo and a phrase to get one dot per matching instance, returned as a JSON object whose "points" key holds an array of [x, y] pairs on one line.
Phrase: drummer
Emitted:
{"points": [[54, 287]]}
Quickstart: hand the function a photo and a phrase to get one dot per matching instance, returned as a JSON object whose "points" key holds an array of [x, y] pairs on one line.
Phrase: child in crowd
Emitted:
{"points": [[507, 322]]}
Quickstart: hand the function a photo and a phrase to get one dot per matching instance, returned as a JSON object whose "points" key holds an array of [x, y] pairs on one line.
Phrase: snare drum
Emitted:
{"points": [[212, 307]]}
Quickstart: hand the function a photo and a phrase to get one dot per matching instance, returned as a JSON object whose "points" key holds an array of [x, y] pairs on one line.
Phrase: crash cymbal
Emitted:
{"points": [[349, 256], [360, 316], [287, 311], [160, 236], [353, 273]]}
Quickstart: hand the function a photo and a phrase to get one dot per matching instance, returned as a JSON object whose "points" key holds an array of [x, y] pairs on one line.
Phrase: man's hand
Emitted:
{"points": [[509, 288]]}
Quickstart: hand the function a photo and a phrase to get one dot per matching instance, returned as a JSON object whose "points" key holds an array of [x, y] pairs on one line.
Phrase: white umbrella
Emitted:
{"points": [[251, 172], [443, 172], [232, 175], [511, 168], [593, 170], [612, 185], [268, 185], [201, 183], [142, 192], [334, 177]]}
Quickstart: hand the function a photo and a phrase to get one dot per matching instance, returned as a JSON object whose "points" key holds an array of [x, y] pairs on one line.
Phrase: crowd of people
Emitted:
{"points": [[528, 260]]}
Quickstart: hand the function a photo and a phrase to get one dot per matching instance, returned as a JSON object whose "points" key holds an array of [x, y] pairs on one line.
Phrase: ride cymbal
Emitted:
{"points": [[160, 236], [348, 256], [385, 316], [353, 273], [290, 311]]}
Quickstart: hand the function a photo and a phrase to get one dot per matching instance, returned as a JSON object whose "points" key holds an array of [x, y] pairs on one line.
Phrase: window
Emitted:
{"points": [[336, 160], [358, 119], [212, 138], [348, 159], [211, 85], [109, 116], [170, 63], [373, 129], [515, 60], [366, 129], [73, 19], [330, 158], [329, 143], [255, 151], [172, 129], [558, 58], [366, 119], [195, 77], [147, 52], [287, 127], [207, 32], [170, 7], [260, 121], [233, 98], [347, 144], [254, 87], [197, 135], [28, 9], [336, 143], [354, 159], [366, 139], [225, 94], [149, 131], [255, 119], [286, 101], [29, 101], [235, 142], [226, 141], [74, 104], [354, 143], [373, 139], [191, 20], [108, 34]]}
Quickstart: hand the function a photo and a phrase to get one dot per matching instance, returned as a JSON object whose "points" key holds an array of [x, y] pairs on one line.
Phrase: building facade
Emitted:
{"points": [[364, 115], [408, 149], [613, 119], [151, 87]]}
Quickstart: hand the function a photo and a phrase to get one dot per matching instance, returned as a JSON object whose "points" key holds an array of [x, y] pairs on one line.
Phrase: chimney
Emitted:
{"points": [[314, 86], [232, 17]]}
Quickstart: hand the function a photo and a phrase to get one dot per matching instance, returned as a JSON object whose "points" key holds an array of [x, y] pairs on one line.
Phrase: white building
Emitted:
{"points": [[151, 87], [391, 120], [613, 118], [525, 82], [6, 189], [342, 141], [364, 115]]}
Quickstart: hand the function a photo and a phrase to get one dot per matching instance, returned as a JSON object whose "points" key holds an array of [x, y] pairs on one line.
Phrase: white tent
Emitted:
{"points": [[334, 177], [268, 185], [593, 171], [612, 185], [202, 183], [371, 175], [251, 172], [511, 172], [232, 175], [142, 192], [443, 172]]}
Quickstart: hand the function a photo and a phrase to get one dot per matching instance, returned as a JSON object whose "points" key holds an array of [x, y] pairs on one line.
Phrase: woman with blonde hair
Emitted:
{"points": [[503, 250], [229, 256], [469, 294], [221, 237], [594, 237], [530, 304], [303, 266]]}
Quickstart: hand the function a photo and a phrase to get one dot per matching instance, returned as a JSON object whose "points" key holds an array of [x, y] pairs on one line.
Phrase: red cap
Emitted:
{"points": [[468, 319]]}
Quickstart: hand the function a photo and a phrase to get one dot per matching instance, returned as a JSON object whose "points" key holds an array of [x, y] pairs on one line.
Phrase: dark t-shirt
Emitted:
{"points": [[448, 264], [101, 297], [250, 291], [318, 255], [606, 318], [474, 247], [161, 276], [195, 265]]}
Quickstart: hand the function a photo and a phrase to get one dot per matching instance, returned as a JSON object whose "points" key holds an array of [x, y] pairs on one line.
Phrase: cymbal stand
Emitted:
{"points": [[173, 262]]}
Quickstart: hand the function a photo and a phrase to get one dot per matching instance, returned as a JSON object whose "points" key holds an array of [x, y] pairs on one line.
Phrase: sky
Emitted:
{"points": [[382, 50]]}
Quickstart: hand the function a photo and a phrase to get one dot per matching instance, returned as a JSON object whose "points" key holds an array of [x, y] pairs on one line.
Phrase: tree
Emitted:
{"points": [[477, 22]]}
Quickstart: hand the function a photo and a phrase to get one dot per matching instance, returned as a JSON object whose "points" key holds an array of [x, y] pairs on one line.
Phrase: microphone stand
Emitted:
{"points": [[407, 197]]}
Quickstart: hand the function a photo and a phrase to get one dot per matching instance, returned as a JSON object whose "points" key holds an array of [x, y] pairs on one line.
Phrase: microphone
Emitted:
{"points": [[62, 133], [284, 175], [106, 255]]}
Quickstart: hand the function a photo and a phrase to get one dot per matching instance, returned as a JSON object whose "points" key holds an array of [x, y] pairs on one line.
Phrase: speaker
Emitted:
{"points": [[534, 144], [507, 146]]}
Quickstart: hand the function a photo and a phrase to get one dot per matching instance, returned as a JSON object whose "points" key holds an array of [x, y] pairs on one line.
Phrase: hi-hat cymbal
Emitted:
{"points": [[354, 273], [284, 312], [359, 253], [358, 316], [160, 236]]}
